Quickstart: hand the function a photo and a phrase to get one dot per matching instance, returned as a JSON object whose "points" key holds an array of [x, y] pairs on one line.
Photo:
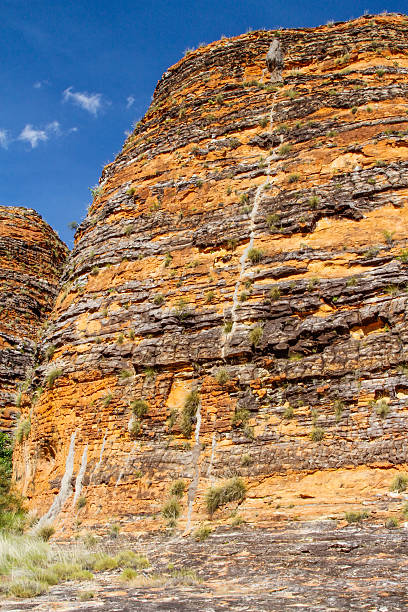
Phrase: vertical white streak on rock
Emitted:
{"points": [[213, 451], [98, 465], [252, 226], [127, 463], [192, 490], [80, 476], [65, 489]]}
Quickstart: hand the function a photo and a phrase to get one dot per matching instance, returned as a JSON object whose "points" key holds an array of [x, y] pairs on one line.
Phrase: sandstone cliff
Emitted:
{"points": [[32, 257], [235, 301]]}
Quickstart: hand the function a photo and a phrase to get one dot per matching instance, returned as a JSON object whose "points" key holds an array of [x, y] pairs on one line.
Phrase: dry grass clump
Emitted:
{"points": [[29, 565], [233, 489], [399, 483], [202, 533]]}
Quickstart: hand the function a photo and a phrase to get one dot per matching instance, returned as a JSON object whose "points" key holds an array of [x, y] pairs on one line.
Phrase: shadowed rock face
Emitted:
{"points": [[247, 243], [32, 257]]}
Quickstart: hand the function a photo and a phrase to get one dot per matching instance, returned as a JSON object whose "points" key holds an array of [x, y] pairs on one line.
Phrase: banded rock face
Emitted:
{"points": [[247, 245], [32, 257]]}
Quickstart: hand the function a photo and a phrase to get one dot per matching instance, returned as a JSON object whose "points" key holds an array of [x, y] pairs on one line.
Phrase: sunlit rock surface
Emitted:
{"points": [[248, 243]]}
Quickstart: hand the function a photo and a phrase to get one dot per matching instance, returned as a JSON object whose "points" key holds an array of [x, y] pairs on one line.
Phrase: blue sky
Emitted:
{"points": [[76, 75]]}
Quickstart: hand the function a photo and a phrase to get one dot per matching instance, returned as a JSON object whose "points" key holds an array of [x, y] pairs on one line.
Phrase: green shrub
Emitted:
{"points": [[284, 149], [125, 374], [338, 409], [399, 483], [288, 412], [181, 310], [105, 562], [255, 255], [222, 376], [228, 326], [50, 352], [171, 509], [71, 570], [86, 595], [158, 299], [135, 427], [177, 488], [234, 143], [114, 530], [388, 236], [241, 416], [167, 260], [45, 532], [189, 411], [128, 558], [355, 517], [246, 460], [274, 293], [128, 574], [209, 297], [264, 122], [291, 94], [202, 533], [403, 256], [139, 408], [24, 588], [52, 377], [392, 523], [382, 408], [255, 335], [317, 434], [218, 496], [149, 372], [22, 430], [12, 515], [81, 503], [106, 400], [271, 221], [293, 178]]}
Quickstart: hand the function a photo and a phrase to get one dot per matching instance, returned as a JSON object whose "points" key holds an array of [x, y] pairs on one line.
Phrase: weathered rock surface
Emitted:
{"points": [[31, 263], [305, 566], [249, 243]]}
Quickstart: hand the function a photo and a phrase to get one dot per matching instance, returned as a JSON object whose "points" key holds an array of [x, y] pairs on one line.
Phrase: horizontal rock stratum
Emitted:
{"points": [[235, 301], [31, 262]]}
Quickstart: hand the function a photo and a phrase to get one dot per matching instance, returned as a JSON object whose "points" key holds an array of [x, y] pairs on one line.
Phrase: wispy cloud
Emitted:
{"points": [[34, 136], [39, 84], [3, 139], [91, 102], [129, 101]]}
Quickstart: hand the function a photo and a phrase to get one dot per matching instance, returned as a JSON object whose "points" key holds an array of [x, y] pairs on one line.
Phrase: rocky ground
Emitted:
{"points": [[300, 566]]}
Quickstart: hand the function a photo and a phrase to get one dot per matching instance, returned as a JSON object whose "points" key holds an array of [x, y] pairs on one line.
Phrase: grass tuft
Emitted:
{"points": [[233, 489]]}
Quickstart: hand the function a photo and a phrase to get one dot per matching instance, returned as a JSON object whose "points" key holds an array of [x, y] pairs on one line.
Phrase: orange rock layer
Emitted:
{"points": [[247, 245]]}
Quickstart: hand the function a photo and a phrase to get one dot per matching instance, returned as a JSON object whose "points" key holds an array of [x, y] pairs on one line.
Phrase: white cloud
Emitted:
{"points": [[3, 139], [39, 84], [129, 101], [34, 136], [90, 102]]}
